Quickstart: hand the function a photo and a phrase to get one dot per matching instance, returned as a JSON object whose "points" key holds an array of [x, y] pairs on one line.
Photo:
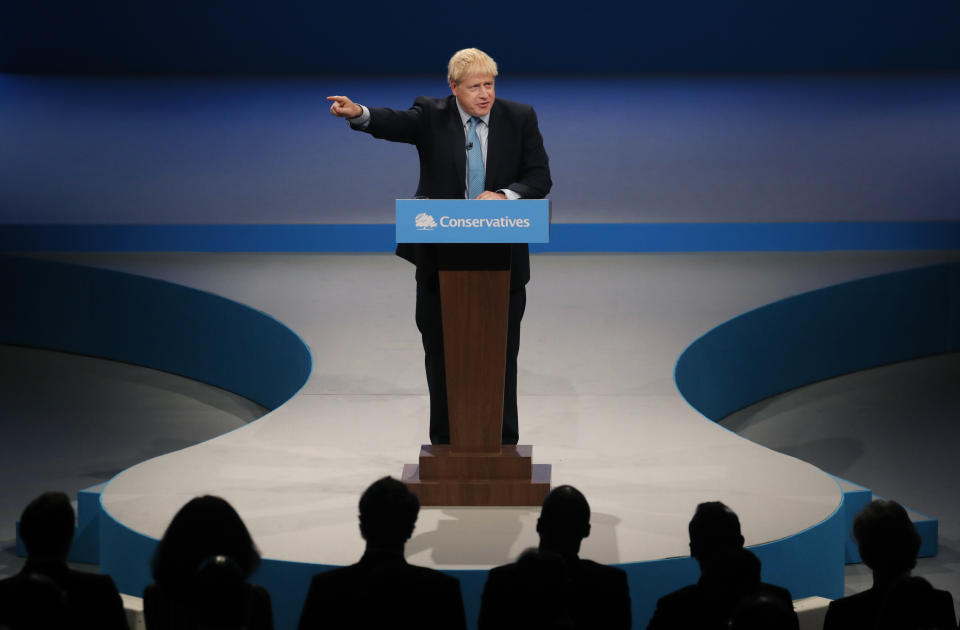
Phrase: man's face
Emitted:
{"points": [[475, 94]]}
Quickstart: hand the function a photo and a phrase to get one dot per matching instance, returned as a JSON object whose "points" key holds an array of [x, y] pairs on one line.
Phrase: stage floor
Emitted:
{"points": [[597, 400]]}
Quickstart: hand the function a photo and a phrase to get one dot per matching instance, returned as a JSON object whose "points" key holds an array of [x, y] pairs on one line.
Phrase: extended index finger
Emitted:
{"points": [[339, 99]]}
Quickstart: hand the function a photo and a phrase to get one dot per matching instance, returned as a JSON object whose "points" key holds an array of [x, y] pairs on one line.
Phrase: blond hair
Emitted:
{"points": [[469, 61]]}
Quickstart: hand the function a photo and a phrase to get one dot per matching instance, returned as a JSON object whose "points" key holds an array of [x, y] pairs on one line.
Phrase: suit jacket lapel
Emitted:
{"points": [[458, 141], [494, 150]]}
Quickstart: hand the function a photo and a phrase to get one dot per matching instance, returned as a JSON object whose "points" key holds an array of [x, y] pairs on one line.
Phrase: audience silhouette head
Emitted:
{"points": [[205, 527], [888, 544], [564, 520], [729, 574], [713, 529], [382, 590], [552, 587], [47, 593], [388, 514], [200, 572], [887, 540], [46, 526]]}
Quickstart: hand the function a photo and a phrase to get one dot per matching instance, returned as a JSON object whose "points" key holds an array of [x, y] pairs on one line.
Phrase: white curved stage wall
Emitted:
{"points": [[597, 399]]}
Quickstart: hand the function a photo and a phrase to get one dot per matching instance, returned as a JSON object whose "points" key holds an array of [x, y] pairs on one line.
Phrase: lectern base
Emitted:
{"points": [[480, 492], [440, 462]]}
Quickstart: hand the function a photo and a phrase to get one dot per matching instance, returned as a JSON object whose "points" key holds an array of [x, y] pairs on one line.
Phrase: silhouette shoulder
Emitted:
{"points": [[852, 612], [596, 567], [680, 597]]}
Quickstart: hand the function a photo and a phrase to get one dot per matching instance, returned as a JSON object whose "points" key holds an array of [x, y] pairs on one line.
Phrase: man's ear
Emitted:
{"points": [[538, 525], [453, 87], [586, 531]]}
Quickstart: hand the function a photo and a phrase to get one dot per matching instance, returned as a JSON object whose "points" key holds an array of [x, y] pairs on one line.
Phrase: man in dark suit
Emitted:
{"points": [[46, 592], [382, 590], [471, 146], [553, 584], [728, 574]]}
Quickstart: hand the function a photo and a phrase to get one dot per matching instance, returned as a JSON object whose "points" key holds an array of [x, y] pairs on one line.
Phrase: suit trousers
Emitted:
{"points": [[430, 324]]}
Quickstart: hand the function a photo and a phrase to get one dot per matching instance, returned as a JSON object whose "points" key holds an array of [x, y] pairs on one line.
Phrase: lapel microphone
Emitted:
{"points": [[469, 146]]}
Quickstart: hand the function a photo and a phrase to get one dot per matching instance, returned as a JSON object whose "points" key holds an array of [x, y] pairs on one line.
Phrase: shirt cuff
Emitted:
{"points": [[509, 194], [361, 121]]}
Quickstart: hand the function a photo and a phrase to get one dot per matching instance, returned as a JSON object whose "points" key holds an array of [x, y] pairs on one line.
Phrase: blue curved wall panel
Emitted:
{"points": [[821, 334], [149, 322]]}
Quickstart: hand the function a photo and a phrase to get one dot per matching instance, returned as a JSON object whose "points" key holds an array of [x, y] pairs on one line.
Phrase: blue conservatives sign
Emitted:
{"points": [[473, 221]]}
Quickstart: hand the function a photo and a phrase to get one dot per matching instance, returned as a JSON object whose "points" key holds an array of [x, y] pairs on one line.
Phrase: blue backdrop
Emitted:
{"points": [[559, 36]]}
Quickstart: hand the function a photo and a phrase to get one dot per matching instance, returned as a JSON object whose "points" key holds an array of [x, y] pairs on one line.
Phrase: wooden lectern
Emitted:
{"points": [[475, 469]]}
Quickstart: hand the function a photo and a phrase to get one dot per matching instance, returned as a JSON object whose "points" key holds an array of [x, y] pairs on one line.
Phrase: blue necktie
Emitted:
{"points": [[475, 174]]}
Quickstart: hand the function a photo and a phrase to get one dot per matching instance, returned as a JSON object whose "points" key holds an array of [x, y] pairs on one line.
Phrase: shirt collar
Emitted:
{"points": [[465, 117]]}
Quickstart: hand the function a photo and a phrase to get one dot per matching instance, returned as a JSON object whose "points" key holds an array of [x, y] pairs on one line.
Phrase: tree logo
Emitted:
{"points": [[425, 222]]}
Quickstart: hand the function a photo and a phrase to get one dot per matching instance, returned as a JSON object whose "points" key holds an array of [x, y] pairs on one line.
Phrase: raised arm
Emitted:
{"points": [[380, 122]]}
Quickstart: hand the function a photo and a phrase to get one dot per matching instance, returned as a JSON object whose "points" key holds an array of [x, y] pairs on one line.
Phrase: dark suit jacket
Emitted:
{"points": [[516, 159], [254, 610], [594, 596], [699, 606], [863, 610], [383, 591], [90, 601]]}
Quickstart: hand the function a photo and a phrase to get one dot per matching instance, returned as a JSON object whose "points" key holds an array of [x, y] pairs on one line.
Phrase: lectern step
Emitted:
{"points": [[514, 493], [440, 462]]}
